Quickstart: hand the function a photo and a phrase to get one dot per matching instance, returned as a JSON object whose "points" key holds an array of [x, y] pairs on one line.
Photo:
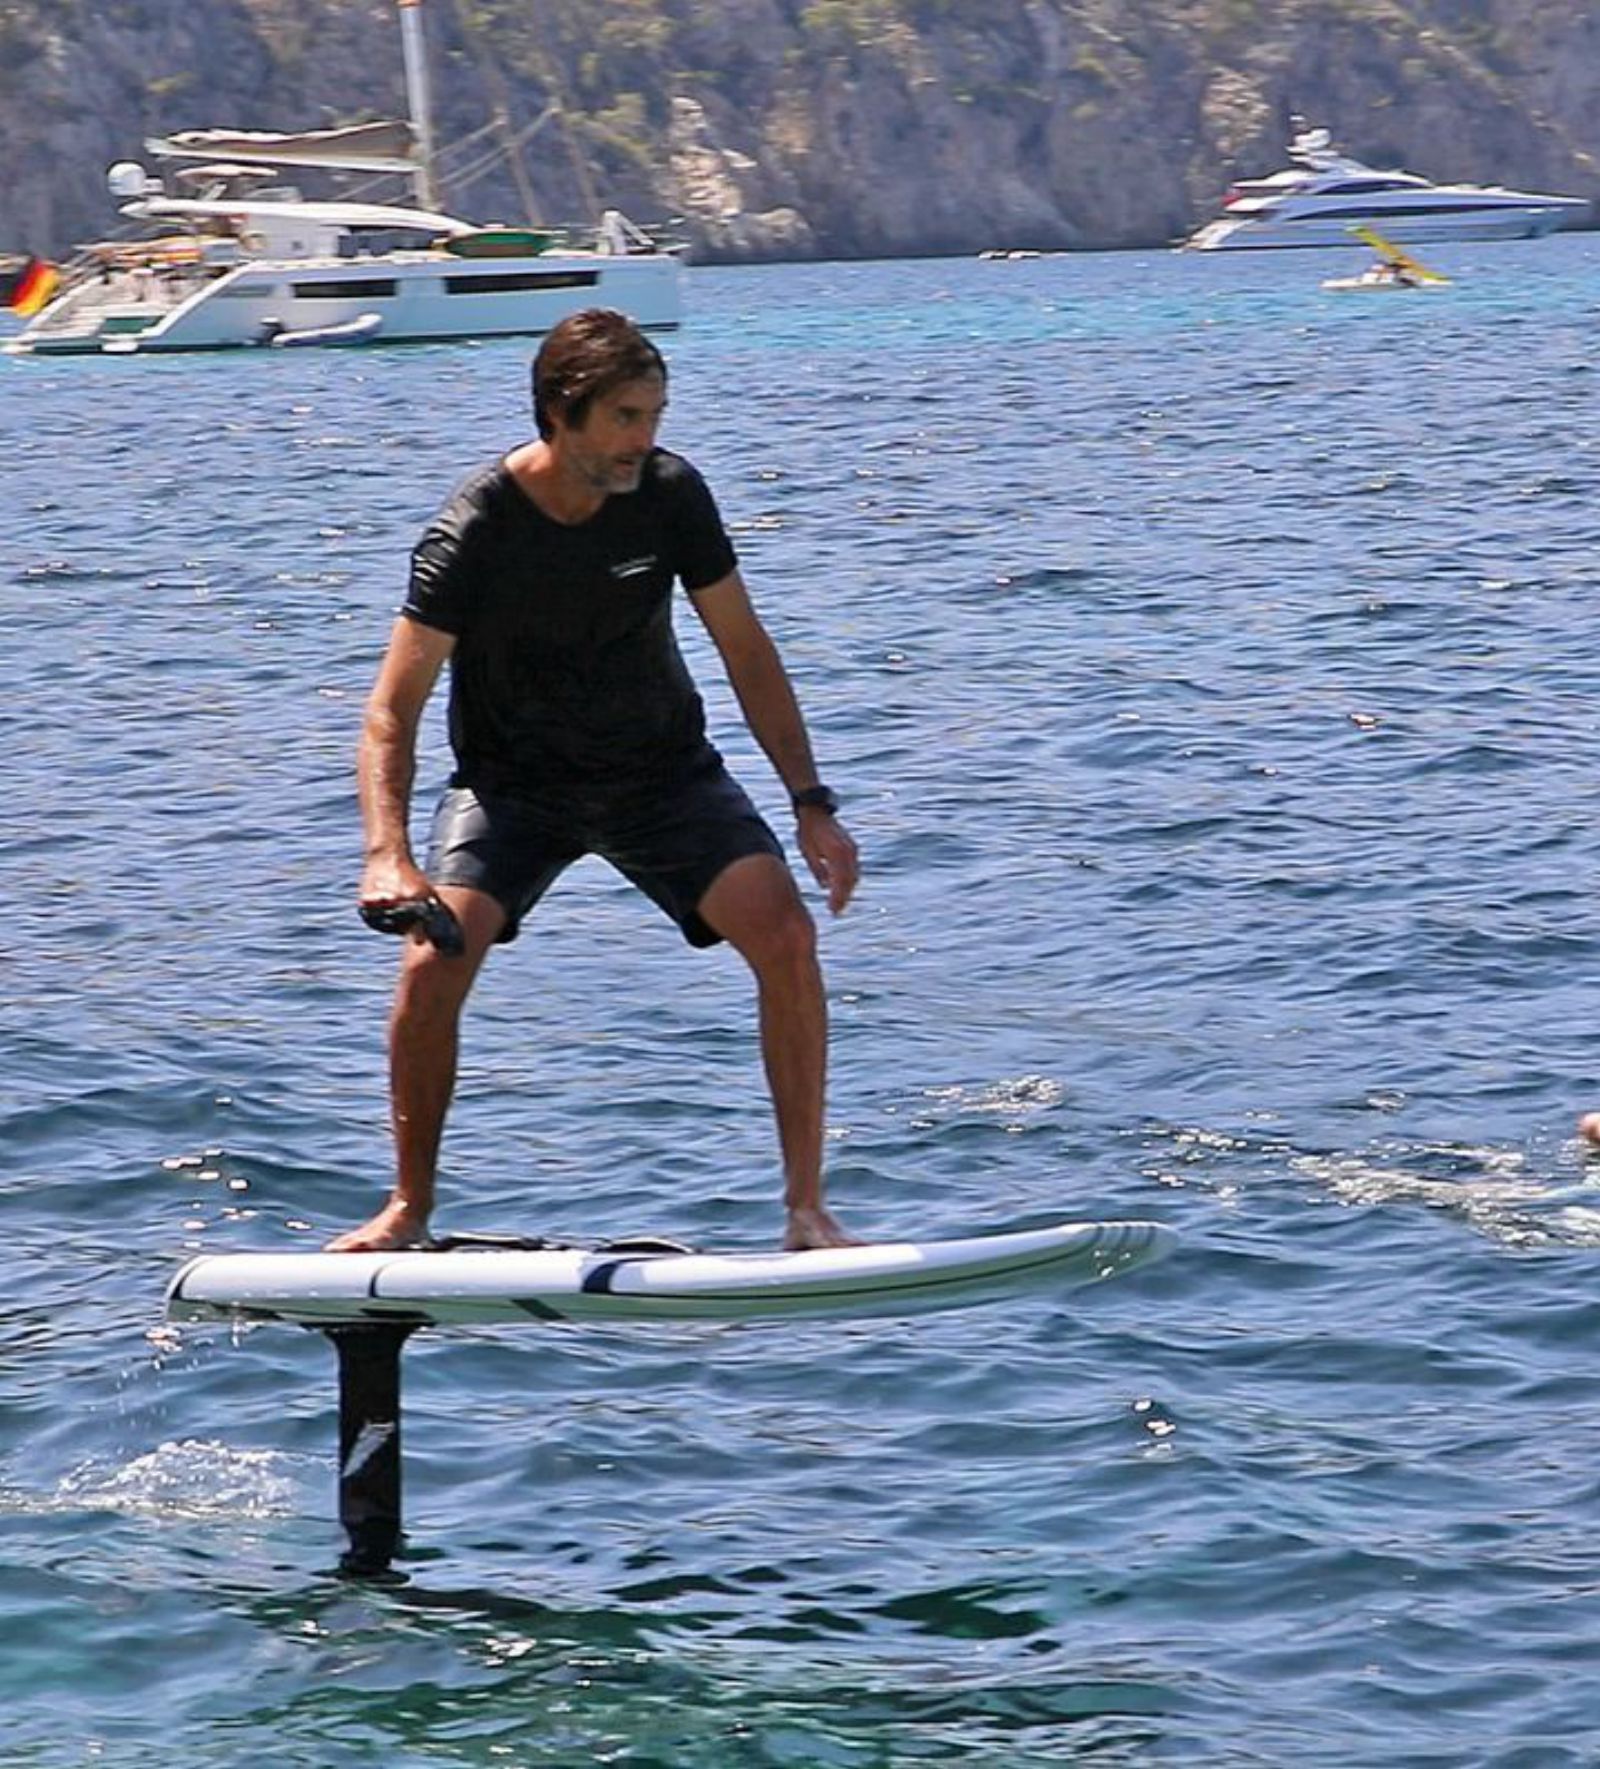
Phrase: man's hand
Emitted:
{"points": [[830, 852], [389, 878], [396, 896]]}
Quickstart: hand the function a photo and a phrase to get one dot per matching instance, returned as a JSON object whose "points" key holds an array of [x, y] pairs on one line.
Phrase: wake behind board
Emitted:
{"points": [[585, 1284]]}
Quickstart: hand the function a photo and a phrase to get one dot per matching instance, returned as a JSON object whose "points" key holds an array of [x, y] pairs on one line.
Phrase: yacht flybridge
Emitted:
{"points": [[229, 258], [1318, 200]]}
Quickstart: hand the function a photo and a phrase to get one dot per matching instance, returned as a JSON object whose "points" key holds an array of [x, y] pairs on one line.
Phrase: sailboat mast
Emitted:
{"points": [[417, 99]]}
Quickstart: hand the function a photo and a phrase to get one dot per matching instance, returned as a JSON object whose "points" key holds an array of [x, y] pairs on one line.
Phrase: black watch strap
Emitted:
{"points": [[815, 798]]}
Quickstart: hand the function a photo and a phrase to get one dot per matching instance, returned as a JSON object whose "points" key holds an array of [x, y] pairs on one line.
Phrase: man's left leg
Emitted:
{"points": [[755, 906]]}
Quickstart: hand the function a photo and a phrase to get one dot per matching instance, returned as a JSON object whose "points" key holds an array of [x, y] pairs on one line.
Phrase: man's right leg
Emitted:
{"points": [[424, 1036]]}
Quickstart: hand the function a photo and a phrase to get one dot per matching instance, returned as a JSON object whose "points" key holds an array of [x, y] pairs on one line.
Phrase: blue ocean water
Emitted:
{"points": [[1207, 662]]}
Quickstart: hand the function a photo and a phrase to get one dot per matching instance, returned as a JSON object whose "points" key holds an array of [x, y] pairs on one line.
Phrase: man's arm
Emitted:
{"points": [[386, 761], [766, 697]]}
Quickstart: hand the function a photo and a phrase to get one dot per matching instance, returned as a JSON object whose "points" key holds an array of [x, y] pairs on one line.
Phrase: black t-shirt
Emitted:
{"points": [[566, 671]]}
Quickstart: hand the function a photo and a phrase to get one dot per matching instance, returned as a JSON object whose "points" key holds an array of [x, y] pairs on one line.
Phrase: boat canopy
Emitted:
{"points": [[362, 147]]}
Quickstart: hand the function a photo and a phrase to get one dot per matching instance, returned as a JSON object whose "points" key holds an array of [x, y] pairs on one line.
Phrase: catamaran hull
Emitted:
{"points": [[431, 299]]}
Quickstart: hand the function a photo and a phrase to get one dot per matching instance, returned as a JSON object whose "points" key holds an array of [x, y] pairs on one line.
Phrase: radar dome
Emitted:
{"points": [[126, 179]]}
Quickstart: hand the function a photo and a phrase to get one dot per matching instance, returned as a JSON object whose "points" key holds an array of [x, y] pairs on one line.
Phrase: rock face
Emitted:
{"points": [[776, 129]]}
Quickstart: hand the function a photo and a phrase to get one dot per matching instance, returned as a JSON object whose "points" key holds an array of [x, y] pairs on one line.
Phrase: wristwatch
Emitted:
{"points": [[815, 798]]}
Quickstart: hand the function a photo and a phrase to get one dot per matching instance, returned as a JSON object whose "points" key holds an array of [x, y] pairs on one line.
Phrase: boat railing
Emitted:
{"points": [[100, 286]]}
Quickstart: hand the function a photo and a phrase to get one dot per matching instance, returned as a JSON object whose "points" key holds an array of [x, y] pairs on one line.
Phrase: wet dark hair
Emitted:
{"points": [[584, 358]]}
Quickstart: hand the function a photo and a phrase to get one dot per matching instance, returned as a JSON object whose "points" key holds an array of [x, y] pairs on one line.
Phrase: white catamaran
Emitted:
{"points": [[234, 261]]}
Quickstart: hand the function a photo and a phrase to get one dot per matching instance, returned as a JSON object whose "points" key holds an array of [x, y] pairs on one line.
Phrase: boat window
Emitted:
{"points": [[1363, 211], [1355, 187], [375, 288], [480, 283], [377, 242]]}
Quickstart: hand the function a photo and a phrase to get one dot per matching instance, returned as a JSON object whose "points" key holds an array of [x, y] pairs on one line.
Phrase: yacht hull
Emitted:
{"points": [[1252, 233]]}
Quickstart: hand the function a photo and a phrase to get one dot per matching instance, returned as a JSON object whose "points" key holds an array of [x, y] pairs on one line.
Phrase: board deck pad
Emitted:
{"points": [[594, 1284]]}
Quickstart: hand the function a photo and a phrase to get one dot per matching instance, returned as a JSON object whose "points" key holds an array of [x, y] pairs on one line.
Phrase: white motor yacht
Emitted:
{"points": [[1324, 194], [237, 264]]}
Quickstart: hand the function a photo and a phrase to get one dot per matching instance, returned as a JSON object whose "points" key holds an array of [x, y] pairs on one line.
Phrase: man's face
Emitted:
{"points": [[608, 449]]}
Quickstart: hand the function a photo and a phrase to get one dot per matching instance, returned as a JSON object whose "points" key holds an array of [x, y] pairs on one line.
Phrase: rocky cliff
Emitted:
{"points": [[817, 128]]}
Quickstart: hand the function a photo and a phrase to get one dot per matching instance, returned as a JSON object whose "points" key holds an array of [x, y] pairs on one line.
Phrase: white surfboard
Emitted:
{"points": [[587, 1284]]}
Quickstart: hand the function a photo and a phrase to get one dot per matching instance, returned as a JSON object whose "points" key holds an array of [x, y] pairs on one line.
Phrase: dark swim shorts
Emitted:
{"points": [[672, 842]]}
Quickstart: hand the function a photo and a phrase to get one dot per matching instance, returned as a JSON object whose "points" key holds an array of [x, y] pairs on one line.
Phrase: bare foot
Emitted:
{"points": [[395, 1228], [1589, 1128], [812, 1226]]}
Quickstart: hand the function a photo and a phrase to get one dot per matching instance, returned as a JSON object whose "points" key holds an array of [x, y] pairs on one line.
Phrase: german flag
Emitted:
{"points": [[28, 289]]}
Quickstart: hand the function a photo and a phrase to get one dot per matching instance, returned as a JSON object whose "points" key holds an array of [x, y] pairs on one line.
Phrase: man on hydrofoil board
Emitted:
{"points": [[546, 585]]}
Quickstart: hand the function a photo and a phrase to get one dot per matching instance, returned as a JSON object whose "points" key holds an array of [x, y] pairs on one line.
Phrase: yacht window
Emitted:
{"points": [[378, 242], [1356, 187], [506, 283], [1361, 211], [374, 288]]}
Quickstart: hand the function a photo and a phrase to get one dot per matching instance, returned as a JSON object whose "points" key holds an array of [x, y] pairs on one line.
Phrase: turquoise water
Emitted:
{"points": [[1208, 664]]}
